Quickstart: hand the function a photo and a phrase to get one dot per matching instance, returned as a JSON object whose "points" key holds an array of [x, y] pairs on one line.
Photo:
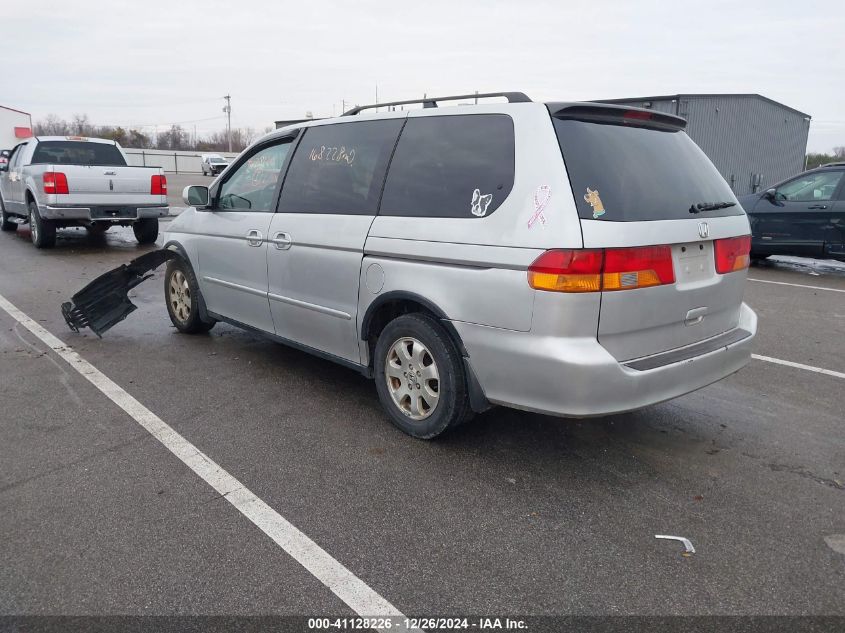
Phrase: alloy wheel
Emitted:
{"points": [[180, 296], [413, 380]]}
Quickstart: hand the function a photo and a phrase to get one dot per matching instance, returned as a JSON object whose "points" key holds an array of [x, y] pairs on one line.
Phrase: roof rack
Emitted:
{"points": [[431, 102], [833, 164]]}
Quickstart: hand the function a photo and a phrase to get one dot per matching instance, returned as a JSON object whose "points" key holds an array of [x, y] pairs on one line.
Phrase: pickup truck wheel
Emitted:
{"points": [[420, 377], [43, 231], [146, 230], [182, 295], [5, 223]]}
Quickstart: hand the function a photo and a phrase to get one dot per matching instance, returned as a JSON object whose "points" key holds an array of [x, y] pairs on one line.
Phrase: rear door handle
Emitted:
{"points": [[254, 238], [282, 241], [817, 206]]}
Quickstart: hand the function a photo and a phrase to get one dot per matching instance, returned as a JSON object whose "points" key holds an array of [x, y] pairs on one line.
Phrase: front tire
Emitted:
{"points": [[420, 377], [43, 231], [5, 223], [146, 230], [182, 296]]}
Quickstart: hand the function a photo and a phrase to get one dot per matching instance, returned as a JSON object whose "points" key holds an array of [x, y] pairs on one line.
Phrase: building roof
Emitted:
{"points": [[703, 95], [14, 110]]}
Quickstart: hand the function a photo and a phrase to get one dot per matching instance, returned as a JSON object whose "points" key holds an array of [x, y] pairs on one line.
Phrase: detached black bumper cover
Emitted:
{"points": [[104, 302]]}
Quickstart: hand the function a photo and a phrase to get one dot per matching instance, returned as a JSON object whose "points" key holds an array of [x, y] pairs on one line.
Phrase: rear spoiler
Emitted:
{"points": [[105, 302], [617, 115]]}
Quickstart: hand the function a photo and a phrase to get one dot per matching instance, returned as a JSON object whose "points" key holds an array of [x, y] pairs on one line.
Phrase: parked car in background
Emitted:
{"points": [[803, 216], [4, 156], [52, 182], [455, 257], [213, 164]]}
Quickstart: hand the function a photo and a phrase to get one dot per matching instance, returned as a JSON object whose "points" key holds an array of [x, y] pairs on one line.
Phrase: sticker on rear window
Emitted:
{"points": [[594, 200], [541, 198], [480, 203]]}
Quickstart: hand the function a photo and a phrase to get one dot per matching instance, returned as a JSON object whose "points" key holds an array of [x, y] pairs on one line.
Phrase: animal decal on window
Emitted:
{"points": [[480, 203], [594, 200]]}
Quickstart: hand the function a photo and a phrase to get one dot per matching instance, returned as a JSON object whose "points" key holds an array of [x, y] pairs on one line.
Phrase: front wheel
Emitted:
{"points": [[5, 223], [146, 230], [43, 232], [182, 295], [420, 377]]}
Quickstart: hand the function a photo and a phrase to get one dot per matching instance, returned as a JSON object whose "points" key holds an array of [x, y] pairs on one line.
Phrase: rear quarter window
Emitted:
{"points": [[340, 168], [459, 166], [77, 153], [629, 174]]}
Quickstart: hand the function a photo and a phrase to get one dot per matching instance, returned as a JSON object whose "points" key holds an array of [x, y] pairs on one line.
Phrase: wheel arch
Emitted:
{"points": [[397, 302]]}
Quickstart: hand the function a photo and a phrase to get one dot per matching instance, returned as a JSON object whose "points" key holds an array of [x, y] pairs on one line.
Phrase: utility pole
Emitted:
{"points": [[228, 110]]}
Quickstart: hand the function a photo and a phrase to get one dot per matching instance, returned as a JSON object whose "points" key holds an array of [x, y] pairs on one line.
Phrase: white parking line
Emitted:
{"points": [[343, 583], [789, 363], [784, 283]]}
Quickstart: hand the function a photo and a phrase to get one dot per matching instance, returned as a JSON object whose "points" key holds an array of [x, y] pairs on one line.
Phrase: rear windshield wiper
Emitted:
{"points": [[710, 206]]}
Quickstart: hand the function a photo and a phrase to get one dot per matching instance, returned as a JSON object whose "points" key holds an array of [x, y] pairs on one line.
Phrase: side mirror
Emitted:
{"points": [[195, 196], [770, 194]]}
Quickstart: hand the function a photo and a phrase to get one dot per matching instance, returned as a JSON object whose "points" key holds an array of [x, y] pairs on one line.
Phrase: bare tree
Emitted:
{"points": [[52, 125]]}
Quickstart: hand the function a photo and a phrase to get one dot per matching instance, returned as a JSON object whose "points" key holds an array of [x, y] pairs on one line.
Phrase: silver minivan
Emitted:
{"points": [[573, 259]]}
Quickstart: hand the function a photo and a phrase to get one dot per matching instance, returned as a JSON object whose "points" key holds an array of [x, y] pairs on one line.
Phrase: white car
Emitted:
{"points": [[213, 164]]}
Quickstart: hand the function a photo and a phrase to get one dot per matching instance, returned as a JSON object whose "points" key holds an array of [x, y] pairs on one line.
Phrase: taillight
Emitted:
{"points": [[732, 253], [158, 185], [55, 182], [567, 271], [592, 270], [641, 267]]}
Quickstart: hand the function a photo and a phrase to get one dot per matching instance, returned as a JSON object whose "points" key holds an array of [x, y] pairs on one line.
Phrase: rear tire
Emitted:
{"points": [[146, 230], [43, 231], [182, 296], [420, 377]]}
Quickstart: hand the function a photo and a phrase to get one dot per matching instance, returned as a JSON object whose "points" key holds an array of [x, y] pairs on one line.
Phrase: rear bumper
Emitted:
{"points": [[104, 214], [577, 377]]}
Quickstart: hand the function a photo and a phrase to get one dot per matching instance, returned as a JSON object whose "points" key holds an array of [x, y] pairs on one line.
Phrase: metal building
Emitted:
{"points": [[753, 141]]}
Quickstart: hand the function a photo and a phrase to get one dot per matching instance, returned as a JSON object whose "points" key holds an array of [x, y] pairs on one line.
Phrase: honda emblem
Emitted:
{"points": [[703, 230]]}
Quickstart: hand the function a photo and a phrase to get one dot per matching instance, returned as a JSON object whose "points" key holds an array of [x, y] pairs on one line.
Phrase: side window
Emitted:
{"points": [[459, 166], [252, 186], [340, 168], [15, 158], [810, 187]]}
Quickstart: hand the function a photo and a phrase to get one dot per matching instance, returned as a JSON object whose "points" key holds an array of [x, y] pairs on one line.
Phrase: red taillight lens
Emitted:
{"points": [[55, 182], [732, 253], [158, 185], [592, 270], [627, 268], [572, 270]]}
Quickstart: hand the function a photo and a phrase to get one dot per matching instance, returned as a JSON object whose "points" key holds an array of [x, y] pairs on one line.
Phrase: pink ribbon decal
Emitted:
{"points": [[541, 199]]}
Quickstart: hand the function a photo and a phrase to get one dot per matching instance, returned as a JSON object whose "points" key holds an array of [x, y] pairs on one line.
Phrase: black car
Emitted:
{"points": [[803, 216]]}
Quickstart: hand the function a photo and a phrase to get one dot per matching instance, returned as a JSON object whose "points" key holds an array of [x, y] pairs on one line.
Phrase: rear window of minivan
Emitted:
{"points": [[629, 174]]}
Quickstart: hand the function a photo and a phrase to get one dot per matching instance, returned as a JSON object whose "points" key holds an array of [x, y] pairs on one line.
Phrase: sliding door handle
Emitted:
{"points": [[282, 241]]}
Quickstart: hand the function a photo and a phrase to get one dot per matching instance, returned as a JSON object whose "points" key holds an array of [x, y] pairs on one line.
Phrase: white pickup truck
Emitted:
{"points": [[52, 182]]}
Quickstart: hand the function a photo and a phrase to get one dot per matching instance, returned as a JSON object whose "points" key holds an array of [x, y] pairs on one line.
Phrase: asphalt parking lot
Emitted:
{"points": [[514, 514]]}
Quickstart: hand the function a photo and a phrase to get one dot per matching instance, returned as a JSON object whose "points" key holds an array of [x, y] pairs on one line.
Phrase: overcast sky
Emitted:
{"points": [[156, 63]]}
